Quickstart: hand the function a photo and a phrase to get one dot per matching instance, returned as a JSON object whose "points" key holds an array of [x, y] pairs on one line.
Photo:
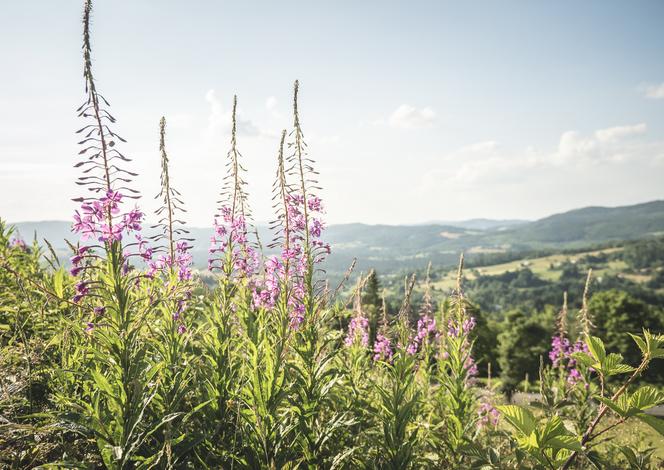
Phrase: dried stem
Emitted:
{"points": [[586, 322], [165, 179]]}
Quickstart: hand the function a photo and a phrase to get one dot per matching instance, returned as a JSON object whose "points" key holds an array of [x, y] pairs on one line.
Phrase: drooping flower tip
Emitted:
{"points": [[75, 270]]}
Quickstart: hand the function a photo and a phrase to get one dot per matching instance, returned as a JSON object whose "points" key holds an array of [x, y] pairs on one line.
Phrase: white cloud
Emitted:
{"points": [[614, 133], [487, 162], [409, 117], [653, 91], [480, 147], [573, 148], [605, 145], [271, 107], [270, 103]]}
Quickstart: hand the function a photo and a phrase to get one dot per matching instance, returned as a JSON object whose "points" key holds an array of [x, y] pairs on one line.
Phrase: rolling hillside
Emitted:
{"points": [[390, 248]]}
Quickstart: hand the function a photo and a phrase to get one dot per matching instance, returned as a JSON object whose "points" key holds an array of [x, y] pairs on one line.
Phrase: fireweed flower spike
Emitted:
{"points": [[172, 247], [488, 414], [460, 326], [299, 225], [382, 347], [19, 243], [170, 255], [426, 324], [117, 388], [584, 315], [230, 250], [426, 327], [279, 272], [358, 328], [559, 343], [100, 215], [562, 349]]}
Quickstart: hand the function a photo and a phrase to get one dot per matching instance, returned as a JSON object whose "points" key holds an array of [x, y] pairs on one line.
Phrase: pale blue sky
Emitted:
{"points": [[415, 111]]}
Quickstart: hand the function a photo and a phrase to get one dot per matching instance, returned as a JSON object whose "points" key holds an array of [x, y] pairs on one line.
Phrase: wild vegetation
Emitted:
{"points": [[125, 359]]}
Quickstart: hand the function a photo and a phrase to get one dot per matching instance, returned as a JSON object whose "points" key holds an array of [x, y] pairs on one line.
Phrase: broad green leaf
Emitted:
{"points": [[521, 418], [553, 428], [565, 442], [613, 365], [584, 358], [640, 343], [621, 407], [646, 397], [596, 347]]}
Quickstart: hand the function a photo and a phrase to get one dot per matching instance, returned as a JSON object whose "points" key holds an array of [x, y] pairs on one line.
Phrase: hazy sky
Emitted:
{"points": [[414, 110]]}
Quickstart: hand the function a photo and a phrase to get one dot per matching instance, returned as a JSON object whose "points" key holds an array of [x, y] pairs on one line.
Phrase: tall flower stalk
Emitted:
{"points": [[112, 406], [171, 282], [172, 246], [456, 372], [398, 400], [303, 211], [230, 251]]}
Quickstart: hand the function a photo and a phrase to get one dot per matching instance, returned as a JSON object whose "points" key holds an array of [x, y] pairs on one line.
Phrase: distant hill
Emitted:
{"points": [[591, 225], [392, 248], [481, 224]]}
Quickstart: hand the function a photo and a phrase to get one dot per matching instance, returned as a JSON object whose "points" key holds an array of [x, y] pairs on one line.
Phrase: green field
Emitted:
{"points": [[547, 268]]}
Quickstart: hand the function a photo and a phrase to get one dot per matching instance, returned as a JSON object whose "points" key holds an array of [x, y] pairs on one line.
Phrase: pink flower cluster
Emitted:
{"points": [[180, 262], [426, 327], [560, 355], [456, 330], [488, 414], [358, 331], [96, 219], [77, 260], [289, 269], [470, 366], [266, 291], [102, 220], [177, 315], [466, 327], [279, 273], [82, 289], [231, 233], [382, 348], [297, 225], [19, 243]]}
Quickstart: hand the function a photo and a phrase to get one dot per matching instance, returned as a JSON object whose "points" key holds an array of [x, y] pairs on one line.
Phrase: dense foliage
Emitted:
{"points": [[127, 360]]}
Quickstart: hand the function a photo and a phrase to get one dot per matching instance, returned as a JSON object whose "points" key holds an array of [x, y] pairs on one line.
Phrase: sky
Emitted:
{"points": [[415, 111]]}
